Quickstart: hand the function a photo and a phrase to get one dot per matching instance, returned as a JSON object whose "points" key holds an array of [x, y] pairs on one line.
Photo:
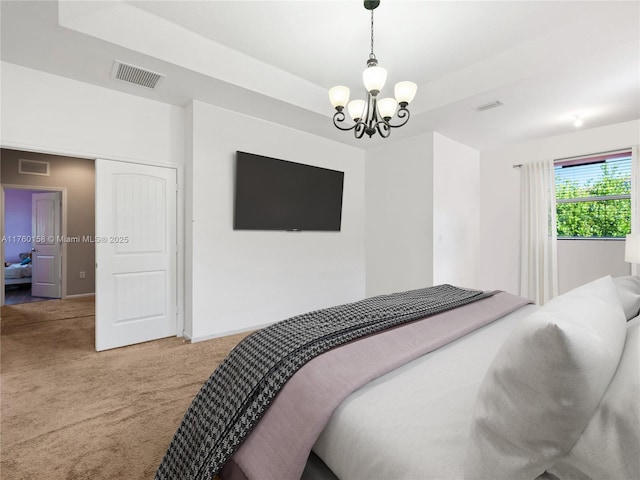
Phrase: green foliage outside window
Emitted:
{"points": [[595, 218]]}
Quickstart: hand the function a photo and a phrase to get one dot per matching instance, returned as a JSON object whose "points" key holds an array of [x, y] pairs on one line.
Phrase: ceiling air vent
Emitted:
{"points": [[33, 167], [489, 106], [132, 74]]}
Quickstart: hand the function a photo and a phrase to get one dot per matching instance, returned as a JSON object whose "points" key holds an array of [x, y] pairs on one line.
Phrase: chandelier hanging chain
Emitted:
{"points": [[372, 115], [372, 55]]}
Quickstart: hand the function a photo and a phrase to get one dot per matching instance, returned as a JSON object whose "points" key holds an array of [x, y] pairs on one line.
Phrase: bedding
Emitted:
{"points": [[417, 421], [610, 445], [628, 288], [414, 414], [545, 383], [416, 418], [279, 445], [238, 392], [16, 274]]}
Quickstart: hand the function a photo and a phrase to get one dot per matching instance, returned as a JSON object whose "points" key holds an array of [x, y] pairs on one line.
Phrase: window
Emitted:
{"points": [[593, 196]]}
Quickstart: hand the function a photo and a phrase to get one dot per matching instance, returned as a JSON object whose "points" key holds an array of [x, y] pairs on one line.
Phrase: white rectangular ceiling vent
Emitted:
{"points": [[33, 167], [136, 75], [489, 106]]}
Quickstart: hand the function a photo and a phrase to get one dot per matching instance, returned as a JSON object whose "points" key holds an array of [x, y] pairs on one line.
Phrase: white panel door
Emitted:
{"points": [[46, 255], [135, 253]]}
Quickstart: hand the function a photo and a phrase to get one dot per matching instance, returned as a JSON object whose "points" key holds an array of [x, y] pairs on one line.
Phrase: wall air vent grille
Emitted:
{"points": [[489, 106], [33, 167], [136, 75]]}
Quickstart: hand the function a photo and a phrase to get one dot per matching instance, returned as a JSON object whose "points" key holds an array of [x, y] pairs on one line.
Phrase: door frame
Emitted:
{"points": [[63, 229]]}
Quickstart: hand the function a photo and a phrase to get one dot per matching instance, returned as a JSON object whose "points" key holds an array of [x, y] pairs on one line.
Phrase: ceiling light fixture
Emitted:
{"points": [[373, 115], [489, 106], [578, 121]]}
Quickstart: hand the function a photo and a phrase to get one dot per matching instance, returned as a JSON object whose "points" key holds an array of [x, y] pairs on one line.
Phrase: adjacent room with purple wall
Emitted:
{"points": [[17, 223]]}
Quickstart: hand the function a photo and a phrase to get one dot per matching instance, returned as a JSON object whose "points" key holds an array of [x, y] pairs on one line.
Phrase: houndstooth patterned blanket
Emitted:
{"points": [[239, 391]]}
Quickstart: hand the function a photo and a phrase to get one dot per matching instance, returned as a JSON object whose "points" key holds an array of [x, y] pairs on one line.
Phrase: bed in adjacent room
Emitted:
{"points": [[17, 274], [486, 387]]}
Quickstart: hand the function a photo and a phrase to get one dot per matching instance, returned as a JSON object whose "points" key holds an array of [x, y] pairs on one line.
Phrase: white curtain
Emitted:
{"points": [[635, 198], [539, 260]]}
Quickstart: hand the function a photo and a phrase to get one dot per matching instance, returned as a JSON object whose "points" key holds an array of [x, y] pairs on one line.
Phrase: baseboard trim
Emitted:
{"points": [[225, 333], [78, 295]]}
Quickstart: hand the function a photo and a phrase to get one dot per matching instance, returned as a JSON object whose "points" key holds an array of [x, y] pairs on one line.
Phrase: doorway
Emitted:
{"points": [[74, 179], [137, 240], [32, 244]]}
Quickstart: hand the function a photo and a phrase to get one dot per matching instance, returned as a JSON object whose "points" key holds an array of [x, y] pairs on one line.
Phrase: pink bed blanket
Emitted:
{"points": [[278, 447]]}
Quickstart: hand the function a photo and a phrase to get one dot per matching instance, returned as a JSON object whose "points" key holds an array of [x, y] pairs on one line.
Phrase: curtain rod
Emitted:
{"points": [[620, 150]]}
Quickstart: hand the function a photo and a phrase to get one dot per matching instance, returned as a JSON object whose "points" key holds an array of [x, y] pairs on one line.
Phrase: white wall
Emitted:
{"points": [[244, 279], [422, 214], [456, 212], [399, 192], [581, 261], [52, 114], [500, 201]]}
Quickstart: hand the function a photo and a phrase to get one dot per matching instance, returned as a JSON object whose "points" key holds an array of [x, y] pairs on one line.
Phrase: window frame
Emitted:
{"points": [[589, 160]]}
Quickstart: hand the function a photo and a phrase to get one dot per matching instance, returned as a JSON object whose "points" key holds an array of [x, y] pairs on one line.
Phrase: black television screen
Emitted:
{"points": [[274, 194]]}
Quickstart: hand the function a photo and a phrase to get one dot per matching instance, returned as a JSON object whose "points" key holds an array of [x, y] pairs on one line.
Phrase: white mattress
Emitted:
{"points": [[413, 423], [17, 271]]}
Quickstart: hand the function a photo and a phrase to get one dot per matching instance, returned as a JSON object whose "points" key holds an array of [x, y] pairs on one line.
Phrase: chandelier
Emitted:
{"points": [[372, 115]]}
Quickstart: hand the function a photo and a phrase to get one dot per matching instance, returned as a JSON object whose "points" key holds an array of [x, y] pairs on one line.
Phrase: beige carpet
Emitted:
{"points": [[68, 412]]}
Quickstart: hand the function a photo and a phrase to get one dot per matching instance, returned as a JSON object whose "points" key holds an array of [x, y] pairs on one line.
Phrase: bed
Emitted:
{"points": [[527, 392], [17, 274], [421, 409]]}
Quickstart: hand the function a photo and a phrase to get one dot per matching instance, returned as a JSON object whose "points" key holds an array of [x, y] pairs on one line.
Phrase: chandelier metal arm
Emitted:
{"points": [[360, 129], [338, 118], [382, 127], [403, 114], [372, 124]]}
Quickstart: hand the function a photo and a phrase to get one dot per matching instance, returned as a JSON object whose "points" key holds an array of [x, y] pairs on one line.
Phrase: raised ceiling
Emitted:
{"points": [[546, 61]]}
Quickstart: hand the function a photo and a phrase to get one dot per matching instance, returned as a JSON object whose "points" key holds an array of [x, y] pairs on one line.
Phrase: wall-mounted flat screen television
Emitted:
{"points": [[273, 194]]}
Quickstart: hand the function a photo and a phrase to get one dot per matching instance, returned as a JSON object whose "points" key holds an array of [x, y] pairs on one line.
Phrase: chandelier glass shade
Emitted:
{"points": [[374, 114]]}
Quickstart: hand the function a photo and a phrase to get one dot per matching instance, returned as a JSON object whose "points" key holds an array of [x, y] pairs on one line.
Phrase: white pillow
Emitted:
{"points": [[629, 293], [610, 446], [545, 383]]}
